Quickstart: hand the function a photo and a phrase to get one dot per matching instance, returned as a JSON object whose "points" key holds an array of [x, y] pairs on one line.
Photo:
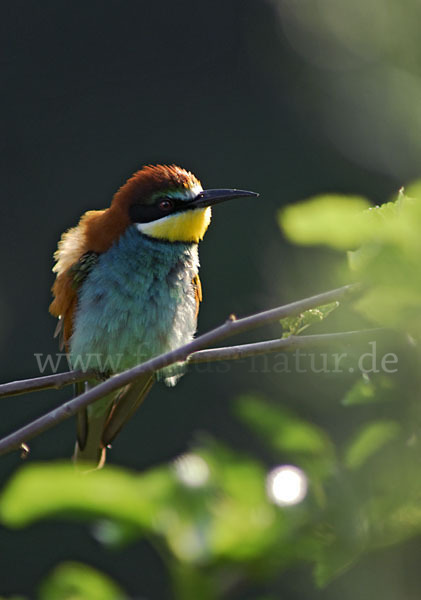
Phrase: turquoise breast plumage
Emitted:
{"points": [[139, 301]]}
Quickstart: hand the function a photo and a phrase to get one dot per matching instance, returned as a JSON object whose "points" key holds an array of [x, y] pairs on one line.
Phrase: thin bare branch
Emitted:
{"points": [[232, 327], [36, 384], [290, 343], [60, 380]]}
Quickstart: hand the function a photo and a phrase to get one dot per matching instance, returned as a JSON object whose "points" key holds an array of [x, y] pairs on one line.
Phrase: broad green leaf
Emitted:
{"points": [[413, 190], [197, 522], [332, 220], [76, 581], [42, 490], [369, 440]]}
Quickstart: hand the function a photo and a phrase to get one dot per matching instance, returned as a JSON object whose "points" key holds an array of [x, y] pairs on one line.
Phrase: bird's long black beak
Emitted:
{"points": [[211, 197]]}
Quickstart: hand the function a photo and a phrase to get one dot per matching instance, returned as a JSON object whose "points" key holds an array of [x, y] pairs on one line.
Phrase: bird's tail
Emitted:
{"points": [[99, 424]]}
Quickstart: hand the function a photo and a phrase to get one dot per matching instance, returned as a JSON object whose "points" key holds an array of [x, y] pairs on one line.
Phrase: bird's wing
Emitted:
{"points": [[125, 405], [197, 286], [102, 421], [74, 258], [90, 427], [96, 232], [65, 291]]}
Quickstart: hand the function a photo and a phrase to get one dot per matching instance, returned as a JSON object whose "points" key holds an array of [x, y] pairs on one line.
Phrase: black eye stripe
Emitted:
{"points": [[144, 213]]}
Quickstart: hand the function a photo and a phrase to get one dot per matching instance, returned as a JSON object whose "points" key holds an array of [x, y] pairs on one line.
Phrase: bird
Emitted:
{"points": [[127, 289]]}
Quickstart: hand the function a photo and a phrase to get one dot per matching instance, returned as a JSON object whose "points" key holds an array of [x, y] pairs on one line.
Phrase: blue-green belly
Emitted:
{"points": [[137, 302]]}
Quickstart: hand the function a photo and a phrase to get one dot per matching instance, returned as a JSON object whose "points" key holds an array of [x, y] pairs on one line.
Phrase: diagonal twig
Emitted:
{"points": [[290, 343], [46, 382], [60, 380], [232, 327]]}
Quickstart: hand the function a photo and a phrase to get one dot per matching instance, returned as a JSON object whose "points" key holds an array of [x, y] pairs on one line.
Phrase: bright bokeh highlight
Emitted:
{"points": [[286, 485], [191, 469]]}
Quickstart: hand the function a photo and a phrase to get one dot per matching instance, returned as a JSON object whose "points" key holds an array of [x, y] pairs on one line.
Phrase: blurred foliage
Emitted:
{"points": [[387, 250], [332, 220], [288, 435], [223, 521], [368, 440], [367, 390], [70, 581]]}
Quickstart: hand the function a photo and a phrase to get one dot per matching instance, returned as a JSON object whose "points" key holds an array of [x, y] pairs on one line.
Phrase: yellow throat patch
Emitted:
{"points": [[186, 226]]}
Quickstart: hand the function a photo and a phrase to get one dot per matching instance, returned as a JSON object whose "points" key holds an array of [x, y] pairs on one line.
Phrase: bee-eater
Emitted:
{"points": [[127, 289]]}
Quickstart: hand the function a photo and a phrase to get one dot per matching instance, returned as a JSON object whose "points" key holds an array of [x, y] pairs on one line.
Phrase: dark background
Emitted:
{"points": [[91, 91]]}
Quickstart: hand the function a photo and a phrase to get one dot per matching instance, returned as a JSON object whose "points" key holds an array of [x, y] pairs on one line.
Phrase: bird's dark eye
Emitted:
{"points": [[165, 204]]}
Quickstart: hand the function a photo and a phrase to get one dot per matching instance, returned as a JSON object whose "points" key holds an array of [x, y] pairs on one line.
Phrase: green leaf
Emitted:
{"points": [[413, 190], [297, 324], [42, 490], [197, 523], [369, 440], [76, 581], [282, 429], [387, 250], [370, 390], [332, 220]]}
